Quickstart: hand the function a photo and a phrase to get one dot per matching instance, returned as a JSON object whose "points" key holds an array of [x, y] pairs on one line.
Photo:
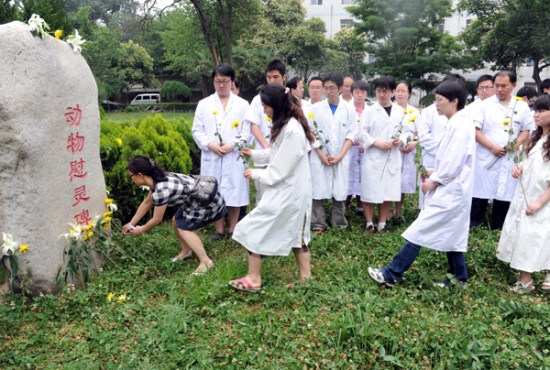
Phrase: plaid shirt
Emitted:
{"points": [[173, 193]]}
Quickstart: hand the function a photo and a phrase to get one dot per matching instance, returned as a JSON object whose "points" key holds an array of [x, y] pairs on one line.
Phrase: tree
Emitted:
{"points": [[508, 33], [353, 46], [8, 11], [174, 90], [404, 38], [53, 12]]}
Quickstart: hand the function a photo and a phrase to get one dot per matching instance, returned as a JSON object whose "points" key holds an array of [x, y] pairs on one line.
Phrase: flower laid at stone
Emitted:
{"points": [[9, 249], [39, 27]]}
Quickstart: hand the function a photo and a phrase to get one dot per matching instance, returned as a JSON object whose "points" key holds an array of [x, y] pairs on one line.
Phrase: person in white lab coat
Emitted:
{"points": [[315, 90], [503, 123], [218, 124], [359, 92], [280, 222], [260, 123], [443, 222], [403, 93], [383, 135], [333, 122]]}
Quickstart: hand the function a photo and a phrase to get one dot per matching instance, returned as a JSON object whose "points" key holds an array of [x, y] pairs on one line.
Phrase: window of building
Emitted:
{"points": [[346, 23], [316, 2], [347, 2]]}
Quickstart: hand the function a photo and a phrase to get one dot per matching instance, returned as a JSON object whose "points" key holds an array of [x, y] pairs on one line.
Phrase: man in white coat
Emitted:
{"points": [[315, 90], [443, 222], [502, 123], [218, 126], [333, 122], [260, 123], [383, 134]]}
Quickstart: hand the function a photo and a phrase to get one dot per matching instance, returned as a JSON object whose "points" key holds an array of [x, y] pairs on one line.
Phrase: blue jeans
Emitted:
{"points": [[408, 253]]}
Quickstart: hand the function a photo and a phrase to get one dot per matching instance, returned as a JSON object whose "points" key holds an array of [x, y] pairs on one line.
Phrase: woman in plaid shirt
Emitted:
{"points": [[171, 190]]}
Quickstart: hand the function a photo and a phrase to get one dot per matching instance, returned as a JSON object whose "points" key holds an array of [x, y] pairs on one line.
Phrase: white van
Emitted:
{"points": [[146, 99]]}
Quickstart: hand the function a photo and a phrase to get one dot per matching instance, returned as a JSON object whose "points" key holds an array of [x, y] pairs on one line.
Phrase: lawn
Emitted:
{"points": [[340, 320], [138, 116]]}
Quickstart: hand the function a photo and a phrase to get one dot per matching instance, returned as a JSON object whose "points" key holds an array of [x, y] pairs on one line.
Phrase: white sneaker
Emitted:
{"points": [[378, 276]]}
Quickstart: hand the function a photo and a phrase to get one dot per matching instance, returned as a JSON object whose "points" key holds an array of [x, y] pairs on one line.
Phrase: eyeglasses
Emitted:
{"points": [[330, 88], [383, 91], [222, 82], [484, 88]]}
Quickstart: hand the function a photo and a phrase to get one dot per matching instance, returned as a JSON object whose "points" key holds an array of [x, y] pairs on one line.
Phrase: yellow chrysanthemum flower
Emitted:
{"points": [[121, 298], [58, 34], [108, 201], [107, 214], [506, 122], [215, 112], [268, 119], [311, 115], [235, 124], [118, 141], [110, 297], [23, 248], [107, 219], [519, 98], [412, 119]]}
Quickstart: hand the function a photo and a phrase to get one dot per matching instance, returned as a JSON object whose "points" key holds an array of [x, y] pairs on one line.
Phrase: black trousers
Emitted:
{"points": [[479, 209]]}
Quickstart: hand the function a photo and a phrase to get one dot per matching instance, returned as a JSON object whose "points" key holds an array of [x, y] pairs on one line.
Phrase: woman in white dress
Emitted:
{"points": [[443, 223], [281, 221], [403, 93], [525, 238]]}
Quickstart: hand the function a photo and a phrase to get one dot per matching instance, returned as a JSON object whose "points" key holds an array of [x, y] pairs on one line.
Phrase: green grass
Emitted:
{"points": [[124, 117], [340, 320]]}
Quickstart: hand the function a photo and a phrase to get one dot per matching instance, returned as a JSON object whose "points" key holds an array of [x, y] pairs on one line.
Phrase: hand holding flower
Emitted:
{"points": [[396, 142], [516, 172], [409, 147], [382, 145], [248, 173], [322, 157], [533, 207], [428, 185], [498, 151], [246, 152], [333, 161]]}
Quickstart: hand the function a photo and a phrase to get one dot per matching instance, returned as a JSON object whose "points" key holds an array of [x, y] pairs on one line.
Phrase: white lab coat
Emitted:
{"points": [[255, 116], [408, 173], [443, 223], [281, 220], [381, 169], [331, 181], [355, 157], [228, 170], [496, 182]]}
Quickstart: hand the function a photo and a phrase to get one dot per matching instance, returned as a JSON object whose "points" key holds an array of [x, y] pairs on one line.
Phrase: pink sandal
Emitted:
{"points": [[244, 285]]}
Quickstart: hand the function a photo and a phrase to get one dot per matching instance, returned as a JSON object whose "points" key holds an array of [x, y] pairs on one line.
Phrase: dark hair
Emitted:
{"points": [[293, 82], [483, 78], [144, 165], [455, 76], [315, 78], [511, 75], [453, 89], [406, 83], [276, 65], [237, 84], [224, 69], [385, 82], [335, 77], [545, 84], [285, 106], [542, 103], [527, 91], [361, 85]]}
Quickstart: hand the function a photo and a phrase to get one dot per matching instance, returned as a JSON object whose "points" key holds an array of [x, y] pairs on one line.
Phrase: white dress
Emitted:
{"points": [[408, 172], [525, 240], [281, 221], [211, 119], [494, 178], [443, 223], [333, 130], [381, 169]]}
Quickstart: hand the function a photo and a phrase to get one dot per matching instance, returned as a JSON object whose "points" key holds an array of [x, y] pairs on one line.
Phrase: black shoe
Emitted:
{"points": [[370, 229], [216, 237]]}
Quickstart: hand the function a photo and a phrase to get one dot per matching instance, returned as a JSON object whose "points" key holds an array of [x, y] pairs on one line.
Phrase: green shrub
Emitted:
{"points": [[165, 142], [174, 90]]}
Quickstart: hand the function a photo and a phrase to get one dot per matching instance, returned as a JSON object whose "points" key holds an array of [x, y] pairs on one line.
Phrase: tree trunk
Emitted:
{"points": [[206, 31], [226, 24]]}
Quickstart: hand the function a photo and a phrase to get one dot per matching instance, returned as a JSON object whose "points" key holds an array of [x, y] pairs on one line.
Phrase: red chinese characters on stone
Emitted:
{"points": [[77, 170], [83, 218], [75, 142], [79, 195], [73, 115]]}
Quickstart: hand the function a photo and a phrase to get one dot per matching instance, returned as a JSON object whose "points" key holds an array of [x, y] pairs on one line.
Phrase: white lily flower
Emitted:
{"points": [[145, 188], [74, 234], [75, 41], [9, 246], [112, 207], [38, 25]]}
